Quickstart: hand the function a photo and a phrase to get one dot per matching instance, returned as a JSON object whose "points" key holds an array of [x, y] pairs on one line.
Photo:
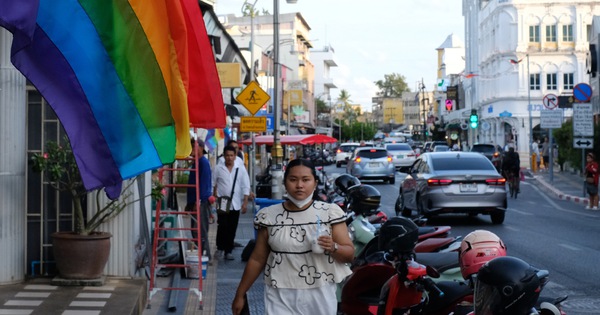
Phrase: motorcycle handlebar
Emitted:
{"points": [[430, 286]]}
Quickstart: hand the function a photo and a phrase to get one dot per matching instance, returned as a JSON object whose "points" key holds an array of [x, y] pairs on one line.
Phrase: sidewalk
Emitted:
{"points": [[565, 185]]}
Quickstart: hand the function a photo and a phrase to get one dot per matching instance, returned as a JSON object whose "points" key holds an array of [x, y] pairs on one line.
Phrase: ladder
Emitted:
{"points": [[162, 237]]}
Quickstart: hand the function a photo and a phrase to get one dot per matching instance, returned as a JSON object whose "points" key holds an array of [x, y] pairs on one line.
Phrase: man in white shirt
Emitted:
{"points": [[229, 176]]}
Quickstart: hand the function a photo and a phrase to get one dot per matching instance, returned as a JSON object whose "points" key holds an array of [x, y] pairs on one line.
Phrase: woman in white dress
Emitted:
{"points": [[302, 246]]}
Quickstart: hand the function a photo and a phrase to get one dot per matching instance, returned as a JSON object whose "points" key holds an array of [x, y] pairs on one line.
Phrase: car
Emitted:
{"points": [[372, 163], [453, 182], [441, 148], [493, 152], [429, 145], [344, 151], [402, 154]]}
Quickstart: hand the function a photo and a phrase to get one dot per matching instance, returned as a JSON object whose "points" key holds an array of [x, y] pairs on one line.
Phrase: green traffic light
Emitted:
{"points": [[474, 121]]}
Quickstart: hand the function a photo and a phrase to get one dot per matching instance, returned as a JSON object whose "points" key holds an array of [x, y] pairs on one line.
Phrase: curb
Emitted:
{"points": [[549, 188]]}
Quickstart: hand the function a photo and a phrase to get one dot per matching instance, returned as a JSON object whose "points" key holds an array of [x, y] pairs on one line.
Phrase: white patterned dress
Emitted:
{"points": [[291, 263]]}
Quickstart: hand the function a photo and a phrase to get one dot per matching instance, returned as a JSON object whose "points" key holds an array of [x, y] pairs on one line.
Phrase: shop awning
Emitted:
{"points": [[293, 139]]}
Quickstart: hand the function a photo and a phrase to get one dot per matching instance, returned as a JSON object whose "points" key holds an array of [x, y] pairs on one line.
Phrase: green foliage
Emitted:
{"points": [[59, 167], [564, 139], [393, 85]]}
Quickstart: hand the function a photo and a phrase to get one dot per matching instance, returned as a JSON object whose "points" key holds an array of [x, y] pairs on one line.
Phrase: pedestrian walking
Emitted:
{"points": [[535, 153], [205, 184], [231, 189], [302, 248], [591, 180], [546, 153]]}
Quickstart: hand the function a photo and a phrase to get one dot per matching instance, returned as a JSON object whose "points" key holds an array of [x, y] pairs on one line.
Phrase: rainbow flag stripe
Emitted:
{"points": [[124, 78]]}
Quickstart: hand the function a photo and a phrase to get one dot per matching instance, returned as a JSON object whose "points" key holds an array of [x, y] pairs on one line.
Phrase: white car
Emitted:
{"points": [[345, 150], [402, 154]]}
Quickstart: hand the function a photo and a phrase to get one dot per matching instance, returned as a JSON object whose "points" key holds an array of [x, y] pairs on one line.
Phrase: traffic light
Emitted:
{"points": [[448, 105], [474, 119]]}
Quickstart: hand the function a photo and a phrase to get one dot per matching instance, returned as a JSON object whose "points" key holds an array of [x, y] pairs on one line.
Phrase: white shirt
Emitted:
{"points": [[535, 148], [223, 179], [238, 161]]}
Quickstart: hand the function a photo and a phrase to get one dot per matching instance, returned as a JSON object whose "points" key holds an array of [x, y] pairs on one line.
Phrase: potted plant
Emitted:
{"points": [[82, 253]]}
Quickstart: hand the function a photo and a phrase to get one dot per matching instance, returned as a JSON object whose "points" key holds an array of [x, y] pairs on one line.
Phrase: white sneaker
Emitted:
{"points": [[595, 208], [218, 254], [229, 256]]}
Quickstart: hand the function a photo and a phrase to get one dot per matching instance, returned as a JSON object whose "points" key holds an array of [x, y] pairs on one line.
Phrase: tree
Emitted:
{"points": [[393, 85], [322, 106]]}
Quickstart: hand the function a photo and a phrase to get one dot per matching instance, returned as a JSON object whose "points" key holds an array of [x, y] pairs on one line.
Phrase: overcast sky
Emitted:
{"points": [[372, 38]]}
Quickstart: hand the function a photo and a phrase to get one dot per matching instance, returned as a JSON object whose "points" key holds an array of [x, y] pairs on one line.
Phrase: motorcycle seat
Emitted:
{"points": [[440, 261]]}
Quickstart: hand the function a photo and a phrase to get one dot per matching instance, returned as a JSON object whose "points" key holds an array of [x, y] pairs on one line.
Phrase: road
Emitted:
{"points": [[551, 234]]}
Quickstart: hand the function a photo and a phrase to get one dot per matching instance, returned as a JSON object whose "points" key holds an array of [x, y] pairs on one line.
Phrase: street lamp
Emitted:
{"points": [[276, 150]]}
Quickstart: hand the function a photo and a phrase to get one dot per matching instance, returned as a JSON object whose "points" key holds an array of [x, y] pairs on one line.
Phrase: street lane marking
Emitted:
{"points": [[569, 246], [519, 211], [512, 228], [15, 312], [555, 205]]}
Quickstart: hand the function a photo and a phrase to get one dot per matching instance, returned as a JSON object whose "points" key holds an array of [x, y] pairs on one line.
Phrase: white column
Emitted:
{"points": [[13, 163]]}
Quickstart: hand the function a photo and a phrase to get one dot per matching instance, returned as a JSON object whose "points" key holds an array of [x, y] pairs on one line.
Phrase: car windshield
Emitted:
{"points": [[372, 154], [483, 148], [398, 147], [348, 148], [462, 163]]}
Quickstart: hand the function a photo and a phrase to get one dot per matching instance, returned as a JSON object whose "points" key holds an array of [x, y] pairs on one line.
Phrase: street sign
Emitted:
{"points": [[253, 124], [253, 97], [583, 143], [551, 119], [550, 101], [485, 126], [582, 92], [583, 120]]}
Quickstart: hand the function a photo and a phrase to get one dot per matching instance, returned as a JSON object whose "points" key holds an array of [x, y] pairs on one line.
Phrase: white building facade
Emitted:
{"points": [[517, 52]]}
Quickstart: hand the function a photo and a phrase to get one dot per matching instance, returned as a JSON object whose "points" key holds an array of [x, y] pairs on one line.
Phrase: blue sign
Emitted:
{"points": [[505, 114], [491, 109], [270, 119], [582, 92]]}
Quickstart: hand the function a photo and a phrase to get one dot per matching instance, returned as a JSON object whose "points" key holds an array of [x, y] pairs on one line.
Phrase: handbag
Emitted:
{"points": [[224, 203], [589, 180]]}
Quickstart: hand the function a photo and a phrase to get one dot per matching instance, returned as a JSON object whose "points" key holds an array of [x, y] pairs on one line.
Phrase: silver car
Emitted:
{"points": [[402, 154], [453, 182], [372, 163]]}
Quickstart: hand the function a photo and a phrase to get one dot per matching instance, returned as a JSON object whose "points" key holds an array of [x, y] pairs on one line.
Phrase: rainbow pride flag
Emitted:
{"points": [[127, 79]]}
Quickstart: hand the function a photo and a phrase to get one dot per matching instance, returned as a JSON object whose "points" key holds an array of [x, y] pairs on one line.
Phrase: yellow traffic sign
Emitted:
{"points": [[253, 124], [253, 97]]}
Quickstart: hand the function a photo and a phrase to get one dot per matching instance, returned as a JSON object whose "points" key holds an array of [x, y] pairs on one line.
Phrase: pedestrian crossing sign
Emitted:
{"points": [[253, 97]]}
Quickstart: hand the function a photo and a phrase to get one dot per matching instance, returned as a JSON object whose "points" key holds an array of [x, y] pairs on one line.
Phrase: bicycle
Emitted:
{"points": [[513, 183]]}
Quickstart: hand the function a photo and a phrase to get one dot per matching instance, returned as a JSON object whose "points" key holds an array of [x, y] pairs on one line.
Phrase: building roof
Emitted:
{"points": [[452, 41]]}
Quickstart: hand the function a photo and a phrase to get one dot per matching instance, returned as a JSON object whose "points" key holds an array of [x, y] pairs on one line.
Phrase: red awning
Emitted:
{"points": [[294, 139]]}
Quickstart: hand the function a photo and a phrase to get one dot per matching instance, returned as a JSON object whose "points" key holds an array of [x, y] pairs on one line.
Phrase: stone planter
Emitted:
{"points": [[81, 256]]}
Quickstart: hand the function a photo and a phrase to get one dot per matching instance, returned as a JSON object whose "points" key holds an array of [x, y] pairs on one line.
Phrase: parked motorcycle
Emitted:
{"points": [[372, 268], [478, 248]]}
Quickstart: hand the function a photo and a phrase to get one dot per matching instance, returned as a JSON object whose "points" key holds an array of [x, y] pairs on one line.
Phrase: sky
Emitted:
{"points": [[372, 38]]}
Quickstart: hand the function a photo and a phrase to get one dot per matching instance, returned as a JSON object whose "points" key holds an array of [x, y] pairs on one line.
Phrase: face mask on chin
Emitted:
{"points": [[300, 203]]}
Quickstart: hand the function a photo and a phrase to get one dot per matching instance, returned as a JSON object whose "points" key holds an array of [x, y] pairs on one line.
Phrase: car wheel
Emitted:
{"points": [[392, 180], [497, 217], [401, 207], [338, 164]]}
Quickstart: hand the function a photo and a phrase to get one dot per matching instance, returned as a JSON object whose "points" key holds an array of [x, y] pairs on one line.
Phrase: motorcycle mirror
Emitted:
{"points": [[432, 272]]}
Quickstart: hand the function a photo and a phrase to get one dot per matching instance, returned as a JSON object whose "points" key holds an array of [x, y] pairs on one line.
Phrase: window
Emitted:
{"points": [[534, 81], [551, 81], [372, 154], [461, 163], [588, 32], [568, 81], [534, 33], [567, 33], [551, 33]]}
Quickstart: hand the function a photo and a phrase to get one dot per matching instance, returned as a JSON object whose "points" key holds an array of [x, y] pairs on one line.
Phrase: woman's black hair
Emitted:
{"points": [[300, 162]]}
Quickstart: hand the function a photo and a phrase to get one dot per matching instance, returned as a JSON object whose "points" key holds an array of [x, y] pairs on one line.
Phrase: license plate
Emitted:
{"points": [[468, 187], [400, 156], [373, 164]]}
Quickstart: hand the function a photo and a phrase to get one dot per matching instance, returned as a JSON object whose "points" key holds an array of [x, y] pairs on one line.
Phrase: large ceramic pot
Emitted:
{"points": [[81, 256]]}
